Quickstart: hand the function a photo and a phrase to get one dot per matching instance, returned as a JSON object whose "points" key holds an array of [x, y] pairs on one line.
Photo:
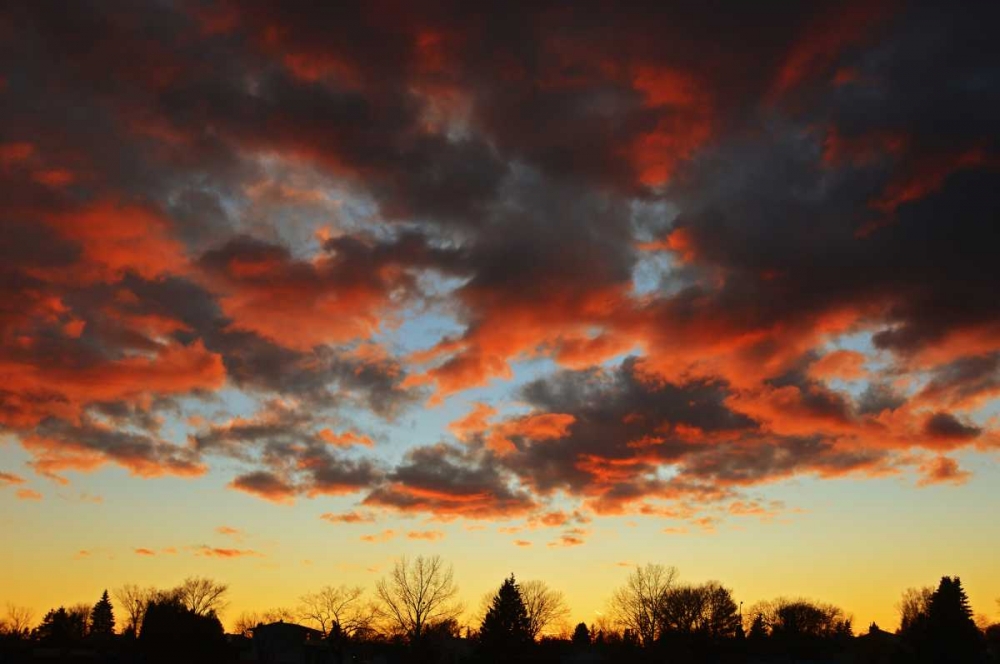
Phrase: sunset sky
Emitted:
{"points": [[292, 289]]}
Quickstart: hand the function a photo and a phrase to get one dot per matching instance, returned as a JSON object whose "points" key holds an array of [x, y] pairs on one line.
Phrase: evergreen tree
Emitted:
{"points": [[506, 630], [581, 635], [61, 628], [951, 634], [102, 618], [758, 630], [171, 632]]}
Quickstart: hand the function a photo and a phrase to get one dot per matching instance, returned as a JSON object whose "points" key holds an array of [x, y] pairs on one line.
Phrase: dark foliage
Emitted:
{"points": [[61, 628], [102, 618], [505, 631], [946, 632], [171, 632]]}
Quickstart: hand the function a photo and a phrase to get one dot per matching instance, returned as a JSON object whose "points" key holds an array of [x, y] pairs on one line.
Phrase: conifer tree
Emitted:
{"points": [[758, 630], [506, 629], [102, 617], [951, 633]]}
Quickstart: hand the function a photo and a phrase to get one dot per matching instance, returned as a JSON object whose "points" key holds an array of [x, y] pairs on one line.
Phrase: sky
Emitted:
{"points": [[290, 290]]}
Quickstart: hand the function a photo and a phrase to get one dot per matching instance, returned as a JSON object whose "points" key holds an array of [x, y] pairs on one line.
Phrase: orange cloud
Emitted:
{"points": [[339, 295], [815, 52], [513, 325], [348, 517], [383, 536], [756, 509], [474, 423], [924, 177], [550, 519], [10, 478], [842, 364], [215, 552], [942, 470], [545, 426], [170, 369], [346, 439], [684, 127], [567, 540], [522, 543], [429, 535], [485, 504], [144, 552], [116, 238], [13, 153], [28, 494]]}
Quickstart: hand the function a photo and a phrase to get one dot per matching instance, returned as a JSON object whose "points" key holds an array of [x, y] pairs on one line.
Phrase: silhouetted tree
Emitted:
{"points": [[951, 634], [506, 630], [133, 601], [61, 628], [913, 607], [758, 629], [636, 605], [791, 619], [17, 622], [202, 596], [434, 640], [707, 610], [544, 605], [102, 618], [248, 620], [581, 635], [418, 594], [172, 632], [337, 607], [992, 636]]}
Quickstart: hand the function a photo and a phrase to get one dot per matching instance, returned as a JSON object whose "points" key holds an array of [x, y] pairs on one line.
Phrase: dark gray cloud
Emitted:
{"points": [[451, 482]]}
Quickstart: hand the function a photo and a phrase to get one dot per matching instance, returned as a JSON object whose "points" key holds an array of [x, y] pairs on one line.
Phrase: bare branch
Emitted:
{"points": [[415, 596], [546, 607], [18, 622], [636, 605], [332, 607], [202, 595], [133, 600]]}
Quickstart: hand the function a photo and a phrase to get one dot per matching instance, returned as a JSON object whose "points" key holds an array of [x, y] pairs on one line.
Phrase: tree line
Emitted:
{"points": [[653, 616]]}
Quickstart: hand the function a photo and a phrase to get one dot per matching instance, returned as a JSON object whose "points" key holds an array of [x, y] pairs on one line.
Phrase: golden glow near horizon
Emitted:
{"points": [[277, 552]]}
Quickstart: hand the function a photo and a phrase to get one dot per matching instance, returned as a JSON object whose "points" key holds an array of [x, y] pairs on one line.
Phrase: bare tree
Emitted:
{"points": [[248, 620], [801, 617], [334, 606], [545, 606], [80, 615], [913, 606], [636, 605], [134, 601], [18, 621], [485, 602], [202, 595], [604, 628], [418, 595]]}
